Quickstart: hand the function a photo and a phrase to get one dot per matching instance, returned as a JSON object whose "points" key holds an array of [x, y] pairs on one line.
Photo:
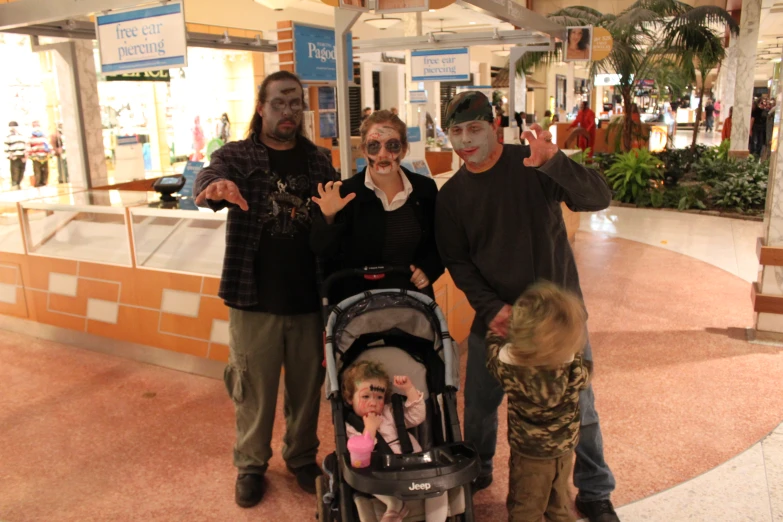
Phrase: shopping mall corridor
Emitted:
{"points": [[686, 403]]}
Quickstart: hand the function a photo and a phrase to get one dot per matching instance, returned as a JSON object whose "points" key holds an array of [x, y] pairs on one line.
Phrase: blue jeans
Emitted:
{"points": [[483, 396]]}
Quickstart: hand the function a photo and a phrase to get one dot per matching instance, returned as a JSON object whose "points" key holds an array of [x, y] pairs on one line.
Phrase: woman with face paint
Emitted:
{"points": [[382, 216]]}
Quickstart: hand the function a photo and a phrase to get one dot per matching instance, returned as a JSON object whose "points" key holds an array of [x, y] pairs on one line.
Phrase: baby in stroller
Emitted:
{"points": [[367, 388]]}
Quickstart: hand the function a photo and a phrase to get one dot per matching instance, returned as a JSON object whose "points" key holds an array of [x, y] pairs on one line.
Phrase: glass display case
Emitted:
{"points": [[11, 239], [179, 237], [83, 226]]}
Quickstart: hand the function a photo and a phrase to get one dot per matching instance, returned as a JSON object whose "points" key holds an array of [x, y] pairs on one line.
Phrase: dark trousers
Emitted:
{"points": [[41, 173], [709, 123], [62, 170], [483, 395], [757, 140], [17, 171], [260, 344]]}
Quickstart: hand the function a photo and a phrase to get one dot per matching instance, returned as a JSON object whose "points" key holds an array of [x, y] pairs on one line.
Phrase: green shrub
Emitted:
{"points": [[743, 187], [681, 197], [630, 175]]}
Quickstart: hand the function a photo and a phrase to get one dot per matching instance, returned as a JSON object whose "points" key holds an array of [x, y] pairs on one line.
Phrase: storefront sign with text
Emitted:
{"points": [[440, 65], [314, 53], [142, 39]]}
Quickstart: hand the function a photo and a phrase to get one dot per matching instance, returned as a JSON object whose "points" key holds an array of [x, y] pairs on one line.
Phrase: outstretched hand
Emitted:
{"points": [[222, 190], [541, 147], [330, 200]]}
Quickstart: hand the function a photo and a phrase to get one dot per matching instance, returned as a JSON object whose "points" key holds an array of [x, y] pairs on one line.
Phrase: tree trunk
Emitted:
{"points": [[698, 115], [627, 119]]}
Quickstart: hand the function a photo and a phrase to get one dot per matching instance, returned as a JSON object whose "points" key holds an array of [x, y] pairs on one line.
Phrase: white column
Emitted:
{"points": [[368, 93], [81, 113], [570, 85], [745, 72], [771, 278], [728, 78], [412, 27]]}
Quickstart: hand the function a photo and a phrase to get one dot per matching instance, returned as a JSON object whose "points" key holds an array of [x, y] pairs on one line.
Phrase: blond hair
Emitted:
{"points": [[547, 326], [363, 371]]}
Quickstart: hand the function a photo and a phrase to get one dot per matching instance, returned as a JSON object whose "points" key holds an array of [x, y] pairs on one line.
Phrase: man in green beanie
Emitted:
{"points": [[499, 230]]}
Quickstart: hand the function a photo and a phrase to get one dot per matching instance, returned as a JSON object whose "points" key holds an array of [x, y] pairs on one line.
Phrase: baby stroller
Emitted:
{"points": [[407, 333]]}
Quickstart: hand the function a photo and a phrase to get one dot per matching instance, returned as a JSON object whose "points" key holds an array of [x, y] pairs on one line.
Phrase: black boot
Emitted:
{"points": [[250, 489], [597, 510]]}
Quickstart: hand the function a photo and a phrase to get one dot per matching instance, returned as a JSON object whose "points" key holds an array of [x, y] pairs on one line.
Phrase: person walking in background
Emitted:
{"points": [[586, 120], [59, 153], [269, 283], [547, 120], [528, 242], [709, 111], [199, 141], [224, 128], [726, 132], [38, 150], [15, 148], [758, 129]]}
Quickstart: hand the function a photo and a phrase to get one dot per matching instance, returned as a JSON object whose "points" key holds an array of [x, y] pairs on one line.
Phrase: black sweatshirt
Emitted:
{"points": [[502, 230]]}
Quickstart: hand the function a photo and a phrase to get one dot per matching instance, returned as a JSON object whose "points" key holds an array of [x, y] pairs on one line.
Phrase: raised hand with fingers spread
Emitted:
{"points": [[330, 201], [222, 190], [541, 147]]}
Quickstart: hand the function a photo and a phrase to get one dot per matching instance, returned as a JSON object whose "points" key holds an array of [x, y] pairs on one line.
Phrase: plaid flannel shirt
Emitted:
{"points": [[246, 163]]}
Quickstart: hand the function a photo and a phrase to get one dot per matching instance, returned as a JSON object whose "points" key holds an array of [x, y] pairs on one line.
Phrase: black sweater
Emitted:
{"points": [[357, 236], [502, 230]]}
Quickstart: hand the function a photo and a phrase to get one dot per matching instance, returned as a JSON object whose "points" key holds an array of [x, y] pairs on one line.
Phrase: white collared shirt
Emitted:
{"points": [[398, 200]]}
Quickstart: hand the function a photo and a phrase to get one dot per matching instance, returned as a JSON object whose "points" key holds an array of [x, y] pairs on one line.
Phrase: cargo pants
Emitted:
{"points": [[260, 344]]}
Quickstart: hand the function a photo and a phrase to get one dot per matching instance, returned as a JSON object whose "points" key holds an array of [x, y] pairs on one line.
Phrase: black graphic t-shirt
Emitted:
{"points": [[285, 265]]}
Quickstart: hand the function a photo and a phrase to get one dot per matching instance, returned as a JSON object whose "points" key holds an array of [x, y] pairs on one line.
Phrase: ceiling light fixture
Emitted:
{"points": [[383, 23], [502, 52], [432, 10], [442, 31], [472, 23], [277, 5]]}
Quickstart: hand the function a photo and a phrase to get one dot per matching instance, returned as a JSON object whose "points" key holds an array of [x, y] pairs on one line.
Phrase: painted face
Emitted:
{"points": [[369, 397], [282, 111], [383, 149], [473, 140]]}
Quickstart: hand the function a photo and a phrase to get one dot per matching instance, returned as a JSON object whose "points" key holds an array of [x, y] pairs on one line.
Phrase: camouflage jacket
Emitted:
{"points": [[543, 402]]}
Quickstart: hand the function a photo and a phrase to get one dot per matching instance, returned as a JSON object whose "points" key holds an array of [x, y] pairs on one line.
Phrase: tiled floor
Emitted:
{"points": [[749, 486], [684, 138], [681, 394], [729, 244]]}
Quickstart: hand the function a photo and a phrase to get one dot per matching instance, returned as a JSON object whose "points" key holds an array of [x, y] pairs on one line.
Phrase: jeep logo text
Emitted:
{"points": [[420, 487]]}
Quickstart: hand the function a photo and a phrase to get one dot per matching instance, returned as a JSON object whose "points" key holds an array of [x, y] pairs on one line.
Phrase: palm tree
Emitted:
{"points": [[670, 80], [697, 48], [639, 47]]}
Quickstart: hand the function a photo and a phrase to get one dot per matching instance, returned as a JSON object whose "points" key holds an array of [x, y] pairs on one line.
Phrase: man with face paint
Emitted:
{"points": [[500, 229], [269, 283], [385, 215]]}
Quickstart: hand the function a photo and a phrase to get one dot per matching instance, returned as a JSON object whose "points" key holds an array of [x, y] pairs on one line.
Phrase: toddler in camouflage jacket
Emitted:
{"points": [[541, 369]]}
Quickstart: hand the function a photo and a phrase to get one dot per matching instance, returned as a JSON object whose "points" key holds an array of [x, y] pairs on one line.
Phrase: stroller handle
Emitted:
{"points": [[368, 272]]}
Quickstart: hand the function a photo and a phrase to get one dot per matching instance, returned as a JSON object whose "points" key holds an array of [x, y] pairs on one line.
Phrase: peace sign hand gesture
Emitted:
{"points": [[330, 200], [541, 147]]}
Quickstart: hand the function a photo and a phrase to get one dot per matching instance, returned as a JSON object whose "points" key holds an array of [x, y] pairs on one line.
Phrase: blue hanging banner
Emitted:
{"points": [[314, 54], [192, 168], [414, 134]]}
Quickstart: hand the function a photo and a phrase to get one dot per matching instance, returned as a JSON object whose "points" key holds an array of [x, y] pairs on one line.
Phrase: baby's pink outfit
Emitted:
{"points": [[436, 508], [415, 413]]}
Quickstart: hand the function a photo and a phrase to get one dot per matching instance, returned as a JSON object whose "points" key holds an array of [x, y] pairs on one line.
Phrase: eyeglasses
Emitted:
{"points": [[280, 105], [392, 146]]}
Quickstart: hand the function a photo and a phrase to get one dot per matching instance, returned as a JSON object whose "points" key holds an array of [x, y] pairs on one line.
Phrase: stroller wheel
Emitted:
{"points": [[322, 510]]}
